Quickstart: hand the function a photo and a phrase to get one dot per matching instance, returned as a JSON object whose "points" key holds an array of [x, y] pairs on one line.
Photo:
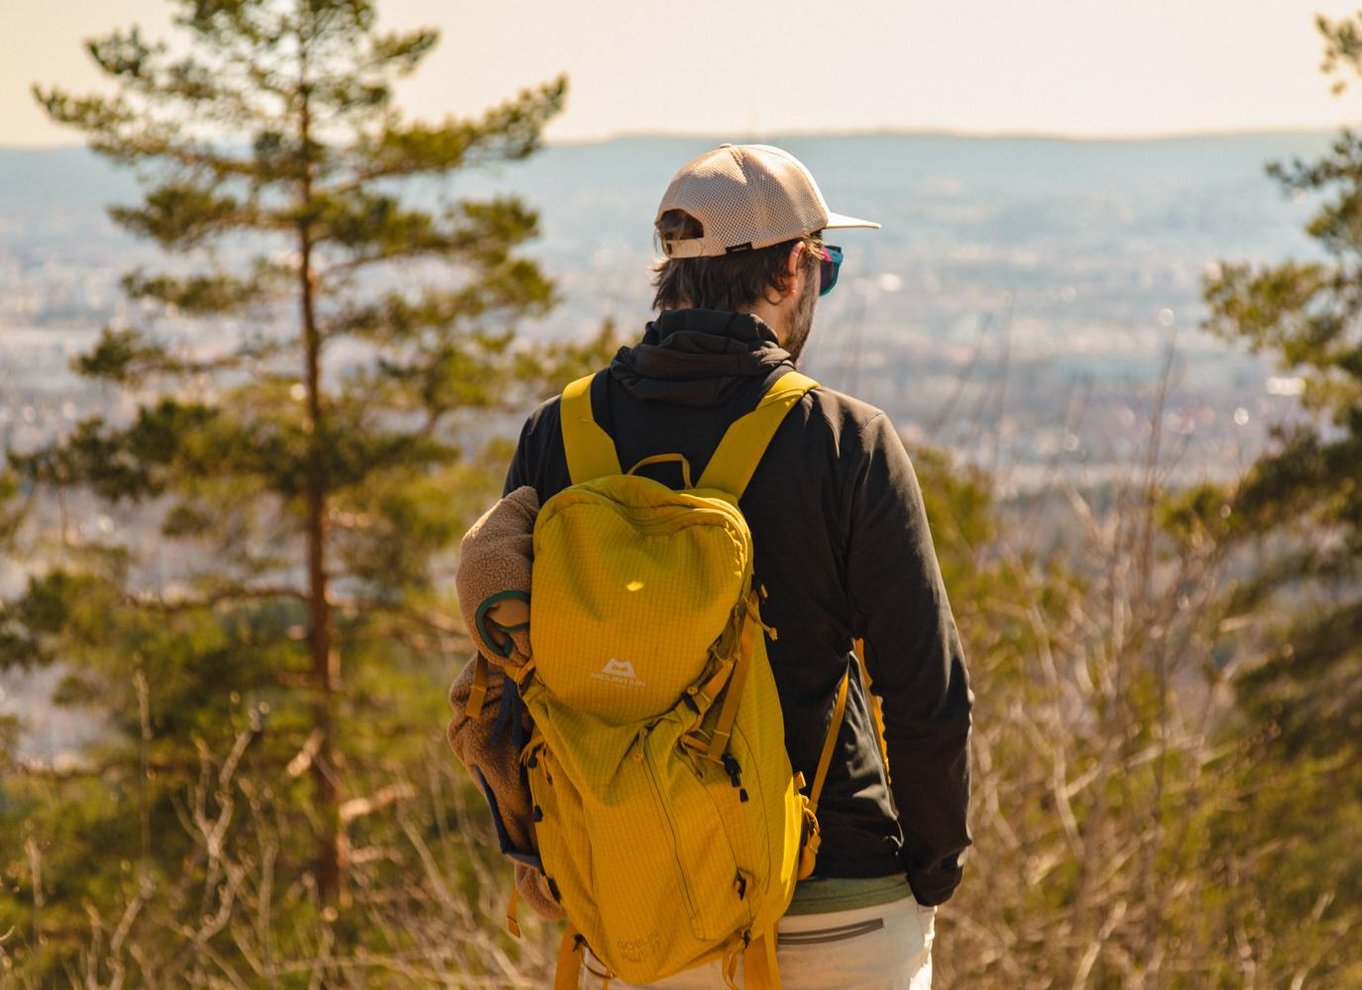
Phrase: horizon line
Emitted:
{"points": [[871, 132], [1001, 135]]}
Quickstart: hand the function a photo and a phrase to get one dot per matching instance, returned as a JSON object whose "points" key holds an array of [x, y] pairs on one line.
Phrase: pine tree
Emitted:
{"points": [[312, 380], [1291, 530], [1301, 502]]}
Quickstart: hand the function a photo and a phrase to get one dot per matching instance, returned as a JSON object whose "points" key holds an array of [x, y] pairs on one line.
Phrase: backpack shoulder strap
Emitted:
{"points": [[741, 449], [589, 449]]}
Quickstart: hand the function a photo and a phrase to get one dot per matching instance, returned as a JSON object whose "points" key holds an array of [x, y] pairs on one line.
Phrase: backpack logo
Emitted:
{"points": [[619, 672]]}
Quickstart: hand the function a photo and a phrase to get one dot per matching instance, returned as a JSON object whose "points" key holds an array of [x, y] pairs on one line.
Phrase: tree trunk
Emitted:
{"points": [[325, 659]]}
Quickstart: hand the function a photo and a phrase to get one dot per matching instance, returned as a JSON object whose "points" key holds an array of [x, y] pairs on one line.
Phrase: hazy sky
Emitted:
{"points": [[736, 68]]}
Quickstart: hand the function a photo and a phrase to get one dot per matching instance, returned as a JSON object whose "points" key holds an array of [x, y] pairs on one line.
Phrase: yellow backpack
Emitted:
{"points": [[669, 822]]}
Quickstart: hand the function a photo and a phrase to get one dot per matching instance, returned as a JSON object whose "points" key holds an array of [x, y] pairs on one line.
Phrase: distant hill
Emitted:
{"points": [[66, 188]]}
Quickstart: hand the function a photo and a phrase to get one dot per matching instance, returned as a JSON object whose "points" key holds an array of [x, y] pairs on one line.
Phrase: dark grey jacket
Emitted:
{"points": [[843, 548]]}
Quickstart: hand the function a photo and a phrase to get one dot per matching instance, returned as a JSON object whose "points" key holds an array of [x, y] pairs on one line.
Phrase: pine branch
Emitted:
{"points": [[505, 133], [200, 295], [185, 602], [182, 214]]}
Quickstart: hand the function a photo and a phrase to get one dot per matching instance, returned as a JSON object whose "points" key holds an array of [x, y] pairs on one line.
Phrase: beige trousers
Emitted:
{"points": [[887, 947]]}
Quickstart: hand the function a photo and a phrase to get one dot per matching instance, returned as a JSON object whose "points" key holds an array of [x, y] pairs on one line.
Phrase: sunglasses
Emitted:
{"points": [[828, 268]]}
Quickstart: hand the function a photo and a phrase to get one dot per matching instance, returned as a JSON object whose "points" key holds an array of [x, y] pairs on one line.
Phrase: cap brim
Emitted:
{"points": [[842, 220]]}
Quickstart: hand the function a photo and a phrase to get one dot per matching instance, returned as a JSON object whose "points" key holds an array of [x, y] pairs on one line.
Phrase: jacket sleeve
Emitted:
{"points": [[519, 473], [915, 660], [539, 459]]}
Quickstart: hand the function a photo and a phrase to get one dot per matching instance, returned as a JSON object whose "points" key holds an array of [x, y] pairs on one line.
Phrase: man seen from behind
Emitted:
{"points": [[843, 550]]}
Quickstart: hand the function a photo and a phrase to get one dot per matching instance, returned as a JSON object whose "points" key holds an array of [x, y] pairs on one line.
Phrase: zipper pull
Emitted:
{"points": [[734, 771], [754, 613]]}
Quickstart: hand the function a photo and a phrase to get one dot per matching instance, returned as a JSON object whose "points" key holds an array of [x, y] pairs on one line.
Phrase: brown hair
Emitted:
{"points": [[730, 282]]}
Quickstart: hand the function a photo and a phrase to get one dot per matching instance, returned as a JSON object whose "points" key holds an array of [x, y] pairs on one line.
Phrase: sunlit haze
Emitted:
{"points": [[1063, 67]]}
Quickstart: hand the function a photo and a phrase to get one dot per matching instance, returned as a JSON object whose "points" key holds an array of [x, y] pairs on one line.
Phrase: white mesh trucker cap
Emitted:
{"points": [[747, 196]]}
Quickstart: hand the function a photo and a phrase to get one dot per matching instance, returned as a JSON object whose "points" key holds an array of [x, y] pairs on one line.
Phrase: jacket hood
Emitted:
{"points": [[697, 357]]}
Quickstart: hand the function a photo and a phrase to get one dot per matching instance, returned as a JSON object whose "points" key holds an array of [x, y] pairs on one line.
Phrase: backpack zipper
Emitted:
{"points": [[651, 772]]}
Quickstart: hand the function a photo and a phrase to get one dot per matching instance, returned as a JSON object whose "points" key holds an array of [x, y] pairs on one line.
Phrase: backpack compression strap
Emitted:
{"points": [[876, 709], [829, 742], [591, 453]]}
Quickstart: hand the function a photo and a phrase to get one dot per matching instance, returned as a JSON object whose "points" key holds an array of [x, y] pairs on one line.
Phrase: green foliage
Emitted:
{"points": [[1301, 504], [1289, 533], [13, 509]]}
